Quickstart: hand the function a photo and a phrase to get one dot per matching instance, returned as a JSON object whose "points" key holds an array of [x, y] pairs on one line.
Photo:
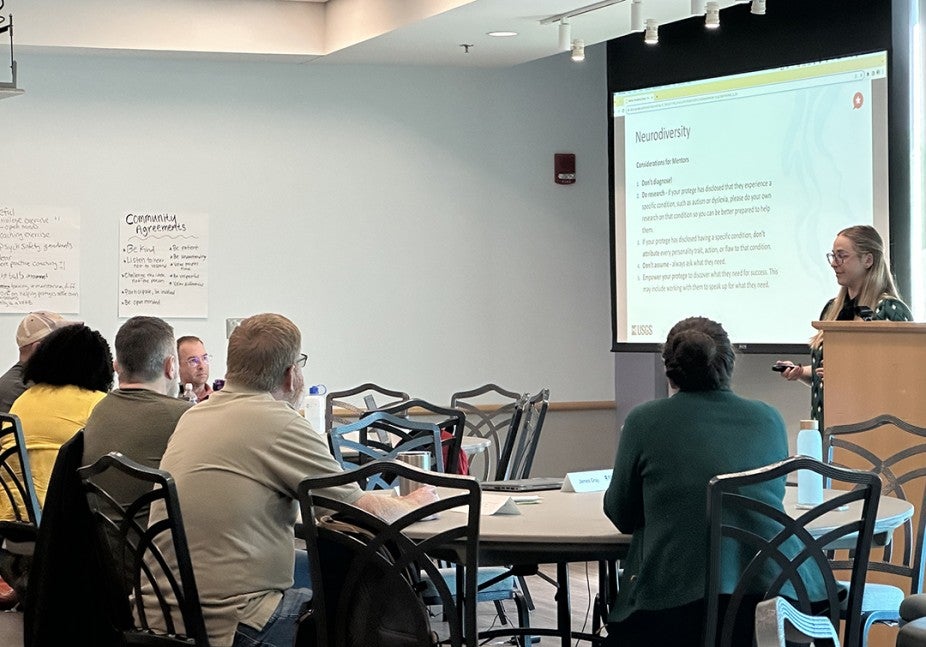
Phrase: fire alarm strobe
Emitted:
{"points": [[564, 168]]}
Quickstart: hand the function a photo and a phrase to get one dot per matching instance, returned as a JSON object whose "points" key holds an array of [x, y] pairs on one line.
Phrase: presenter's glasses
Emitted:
{"points": [[837, 259]]}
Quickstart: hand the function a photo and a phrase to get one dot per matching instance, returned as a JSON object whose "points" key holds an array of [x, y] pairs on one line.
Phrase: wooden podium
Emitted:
{"points": [[871, 368]]}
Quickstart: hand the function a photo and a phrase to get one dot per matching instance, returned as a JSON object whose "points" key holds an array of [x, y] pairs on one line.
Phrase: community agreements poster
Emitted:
{"points": [[164, 264]]}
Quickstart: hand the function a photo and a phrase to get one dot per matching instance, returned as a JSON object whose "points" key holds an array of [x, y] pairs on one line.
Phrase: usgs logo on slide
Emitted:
{"points": [[641, 329]]}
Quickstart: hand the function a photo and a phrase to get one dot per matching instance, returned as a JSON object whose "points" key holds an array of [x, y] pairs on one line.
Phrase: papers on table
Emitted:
{"points": [[502, 503]]}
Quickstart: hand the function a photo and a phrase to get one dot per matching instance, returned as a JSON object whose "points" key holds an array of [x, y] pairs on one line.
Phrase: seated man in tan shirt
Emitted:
{"points": [[237, 460]]}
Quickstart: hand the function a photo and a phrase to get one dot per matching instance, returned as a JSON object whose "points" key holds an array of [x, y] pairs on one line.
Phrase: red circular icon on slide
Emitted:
{"points": [[858, 100]]}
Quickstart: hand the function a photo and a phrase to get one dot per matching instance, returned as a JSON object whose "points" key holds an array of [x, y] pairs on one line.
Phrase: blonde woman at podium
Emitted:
{"points": [[866, 293]]}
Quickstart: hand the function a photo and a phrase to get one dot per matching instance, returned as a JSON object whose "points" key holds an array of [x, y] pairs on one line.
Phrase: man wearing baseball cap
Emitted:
{"points": [[34, 327]]}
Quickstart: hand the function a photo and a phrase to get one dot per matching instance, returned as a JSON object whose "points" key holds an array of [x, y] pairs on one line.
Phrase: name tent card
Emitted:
{"points": [[498, 504], [494, 504], [590, 481]]}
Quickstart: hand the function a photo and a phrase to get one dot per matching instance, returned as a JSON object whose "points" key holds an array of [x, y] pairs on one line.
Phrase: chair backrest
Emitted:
{"points": [[151, 564], [352, 404], [15, 475], [903, 475], [517, 465], [759, 549], [402, 436], [343, 586], [453, 421], [490, 412]]}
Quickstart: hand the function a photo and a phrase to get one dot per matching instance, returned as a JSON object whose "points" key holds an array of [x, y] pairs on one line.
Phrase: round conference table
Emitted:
{"points": [[565, 527]]}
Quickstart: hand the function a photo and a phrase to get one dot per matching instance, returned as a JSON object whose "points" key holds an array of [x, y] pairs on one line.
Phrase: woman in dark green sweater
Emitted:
{"points": [[669, 450]]}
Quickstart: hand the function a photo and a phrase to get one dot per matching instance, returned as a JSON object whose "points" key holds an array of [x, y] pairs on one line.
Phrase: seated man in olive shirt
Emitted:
{"points": [[139, 417], [237, 460]]}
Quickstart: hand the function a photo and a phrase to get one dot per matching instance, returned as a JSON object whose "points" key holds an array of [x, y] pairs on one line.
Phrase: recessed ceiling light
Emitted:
{"points": [[502, 34]]}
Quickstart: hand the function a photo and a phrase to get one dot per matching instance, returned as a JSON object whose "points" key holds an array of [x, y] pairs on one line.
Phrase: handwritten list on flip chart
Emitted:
{"points": [[164, 263], [39, 259]]}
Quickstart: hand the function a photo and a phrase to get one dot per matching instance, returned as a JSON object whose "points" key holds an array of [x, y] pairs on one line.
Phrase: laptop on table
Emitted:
{"points": [[532, 484]]}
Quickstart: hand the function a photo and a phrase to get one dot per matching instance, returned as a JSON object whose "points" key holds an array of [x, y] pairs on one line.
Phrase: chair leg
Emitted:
{"points": [[500, 610], [522, 582], [524, 618], [868, 619]]}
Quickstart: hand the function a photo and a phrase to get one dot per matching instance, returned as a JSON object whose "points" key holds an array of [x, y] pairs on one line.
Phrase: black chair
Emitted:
{"points": [[490, 413], [903, 475], [383, 436], [354, 403], [18, 503], [360, 564], [451, 422], [150, 566], [513, 459], [512, 581], [495, 583], [518, 456], [67, 601], [779, 558]]}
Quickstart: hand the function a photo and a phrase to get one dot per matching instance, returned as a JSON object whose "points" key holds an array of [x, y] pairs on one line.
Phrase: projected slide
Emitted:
{"points": [[729, 192]]}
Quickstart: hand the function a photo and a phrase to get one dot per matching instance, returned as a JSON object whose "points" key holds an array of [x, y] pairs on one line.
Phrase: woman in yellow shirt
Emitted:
{"points": [[70, 372]]}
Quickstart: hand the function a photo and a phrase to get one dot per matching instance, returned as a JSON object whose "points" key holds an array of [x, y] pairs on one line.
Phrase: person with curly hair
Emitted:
{"points": [[70, 372]]}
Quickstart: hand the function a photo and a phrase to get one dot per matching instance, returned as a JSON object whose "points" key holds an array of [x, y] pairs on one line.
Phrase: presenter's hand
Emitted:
{"points": [[792, 371]]}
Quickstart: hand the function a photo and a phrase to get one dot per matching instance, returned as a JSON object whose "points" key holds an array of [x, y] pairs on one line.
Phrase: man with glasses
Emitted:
{"points": [[237, 460], [194, 366]]}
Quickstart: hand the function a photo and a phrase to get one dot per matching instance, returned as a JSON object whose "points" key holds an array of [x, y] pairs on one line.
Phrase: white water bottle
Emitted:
{"points": [[809, 484], [188, 394], [315, 407]]}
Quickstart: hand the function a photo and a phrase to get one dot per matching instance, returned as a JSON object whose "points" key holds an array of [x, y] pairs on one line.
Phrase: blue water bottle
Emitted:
{"points": [[809, 484]]}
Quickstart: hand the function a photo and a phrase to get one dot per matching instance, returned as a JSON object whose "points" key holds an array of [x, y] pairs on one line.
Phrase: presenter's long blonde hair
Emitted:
{"points": [[878, 283]]}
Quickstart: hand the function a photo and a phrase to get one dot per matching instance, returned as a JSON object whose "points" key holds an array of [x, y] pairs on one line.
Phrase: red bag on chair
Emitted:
{"points": [[463, 460]]}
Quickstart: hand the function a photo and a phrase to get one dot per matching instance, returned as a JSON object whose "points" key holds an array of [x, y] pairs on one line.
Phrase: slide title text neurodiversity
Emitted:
{"points": [[663, 133]]}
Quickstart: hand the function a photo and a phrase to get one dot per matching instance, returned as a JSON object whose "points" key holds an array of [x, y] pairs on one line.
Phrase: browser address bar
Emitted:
{"points": [[651, 101]]}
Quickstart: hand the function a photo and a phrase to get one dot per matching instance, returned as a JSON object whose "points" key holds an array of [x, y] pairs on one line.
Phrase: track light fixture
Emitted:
{"points": [[8, 89], [712, 17], [651, 37], [565, 35], [636, 15], [578, 50], [758, 7]]}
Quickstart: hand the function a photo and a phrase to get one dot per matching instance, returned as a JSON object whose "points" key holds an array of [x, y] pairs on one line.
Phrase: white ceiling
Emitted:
{"points": [[405, 32]]}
